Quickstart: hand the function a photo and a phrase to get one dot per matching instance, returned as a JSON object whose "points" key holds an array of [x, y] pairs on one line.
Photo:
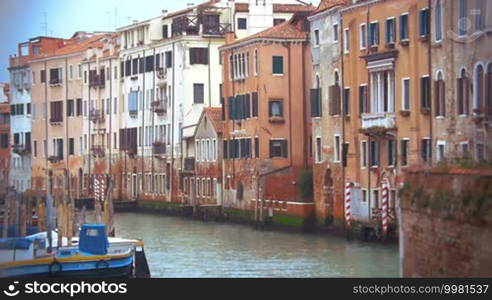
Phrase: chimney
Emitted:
{"points": [[229, 37]]}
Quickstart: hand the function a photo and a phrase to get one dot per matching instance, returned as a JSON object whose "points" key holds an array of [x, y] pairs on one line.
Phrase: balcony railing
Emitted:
{"points": [[97, 82], [216, 29], [21, 149], [55, 82], [159, 107], [384, 121], [96, 116], [55, 158], [189, 164], [98, 151], [159, 148]]}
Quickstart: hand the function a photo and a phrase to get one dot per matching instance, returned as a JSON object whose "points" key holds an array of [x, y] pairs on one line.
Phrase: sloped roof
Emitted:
{"points": [[291, 8], [75, 45], [327, 4], [188, 9], [286, 30], [214, 114]]}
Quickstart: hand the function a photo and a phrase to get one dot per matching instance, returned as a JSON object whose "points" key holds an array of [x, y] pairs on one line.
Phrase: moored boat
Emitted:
{"points": [[92, 255]]}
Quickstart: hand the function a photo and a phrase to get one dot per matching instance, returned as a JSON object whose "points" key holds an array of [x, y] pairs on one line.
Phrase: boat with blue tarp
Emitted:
{"points": [[92, 255]]}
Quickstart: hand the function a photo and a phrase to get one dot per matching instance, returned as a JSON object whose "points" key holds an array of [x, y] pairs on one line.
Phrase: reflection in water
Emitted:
{"points": [[178, 247]]}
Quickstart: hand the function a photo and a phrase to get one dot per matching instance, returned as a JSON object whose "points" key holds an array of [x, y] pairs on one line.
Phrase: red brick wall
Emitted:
{"points": [[447, 225]]}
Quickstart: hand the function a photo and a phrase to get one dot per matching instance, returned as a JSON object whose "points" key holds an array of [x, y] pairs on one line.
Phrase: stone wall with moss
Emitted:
{"points": [[446, 223]]}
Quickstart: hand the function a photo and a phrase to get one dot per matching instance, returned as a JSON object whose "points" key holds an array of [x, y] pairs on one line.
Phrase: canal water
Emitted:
{"points": [[179, 247]]}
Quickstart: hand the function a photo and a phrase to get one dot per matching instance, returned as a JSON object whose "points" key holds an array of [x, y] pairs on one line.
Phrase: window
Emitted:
{"points": [[58, 148], [363, 36], [257, 147], [71, 146], [165, 31], [278, 65], [424, 20], [169, 59], [440, 154], [345, 151], [391, 152], [363, 195], [426, 149], [425, 93], [405, 103], [257, 62], [335, 103], [480, 152], [56, 111], [337, 146], [363, 100], [346, 40], [70, 72], [278, 148], [346, 101], [318, 150], [255, 104], [198, 93], [133, 102], [35, 148], [277, 21], [479, 91], [316, 37], [70, 108], [316, 108], [374, 153], [382, 91], [374, 34], [465, 149], [404, 27], [79, 107], [363, 154], [79, 72], [463, 20], [43, 76], [275, 108], [199, 56], [438, 20], [242, 23], [390, 31], [4, 140], [439, 94], [463, 92], [56, 76], [335, 33]]}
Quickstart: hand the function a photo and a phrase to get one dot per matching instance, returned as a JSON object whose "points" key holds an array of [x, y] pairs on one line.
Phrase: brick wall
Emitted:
{"points": [[446, 224]]}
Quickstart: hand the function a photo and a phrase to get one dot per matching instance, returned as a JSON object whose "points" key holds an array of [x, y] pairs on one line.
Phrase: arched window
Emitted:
{"points": [[231, 66], [440, 105], [337, 79], [240, 192], [317, 82], [463, 92], [256, 61], [478, 90], [438, 20]]}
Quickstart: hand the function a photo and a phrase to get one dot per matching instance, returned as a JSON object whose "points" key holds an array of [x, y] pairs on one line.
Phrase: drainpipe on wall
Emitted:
{"points": [[429, 54], [342, 113], [171, 169]]}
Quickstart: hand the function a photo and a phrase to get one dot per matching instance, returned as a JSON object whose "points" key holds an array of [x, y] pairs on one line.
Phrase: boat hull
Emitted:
{"points": [[98, 268]]}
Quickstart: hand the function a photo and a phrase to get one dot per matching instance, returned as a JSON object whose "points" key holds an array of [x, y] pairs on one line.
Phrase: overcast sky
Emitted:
{"points": [[24, 19]]}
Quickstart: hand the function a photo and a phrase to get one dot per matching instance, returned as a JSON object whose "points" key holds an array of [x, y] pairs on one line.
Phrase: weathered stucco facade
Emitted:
{"points": [[267, 114]]}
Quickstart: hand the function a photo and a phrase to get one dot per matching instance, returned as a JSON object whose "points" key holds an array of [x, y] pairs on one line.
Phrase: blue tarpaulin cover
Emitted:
{"points": [[93, 239]]}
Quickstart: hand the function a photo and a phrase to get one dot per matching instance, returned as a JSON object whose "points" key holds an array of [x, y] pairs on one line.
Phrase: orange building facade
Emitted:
{"points": [[266, 113]]}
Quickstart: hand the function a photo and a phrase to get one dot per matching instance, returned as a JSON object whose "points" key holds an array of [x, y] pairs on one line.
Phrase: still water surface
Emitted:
{"points": [[178, 247]]}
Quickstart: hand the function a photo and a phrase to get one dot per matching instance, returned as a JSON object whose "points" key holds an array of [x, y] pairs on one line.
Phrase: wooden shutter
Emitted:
{"points": [[285, 149], [255, 104]]}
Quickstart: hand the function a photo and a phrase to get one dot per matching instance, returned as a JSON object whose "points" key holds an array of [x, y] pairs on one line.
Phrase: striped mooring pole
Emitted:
{"points": [[103, 188], [96, 188], [348, 213], [384, 208]]}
